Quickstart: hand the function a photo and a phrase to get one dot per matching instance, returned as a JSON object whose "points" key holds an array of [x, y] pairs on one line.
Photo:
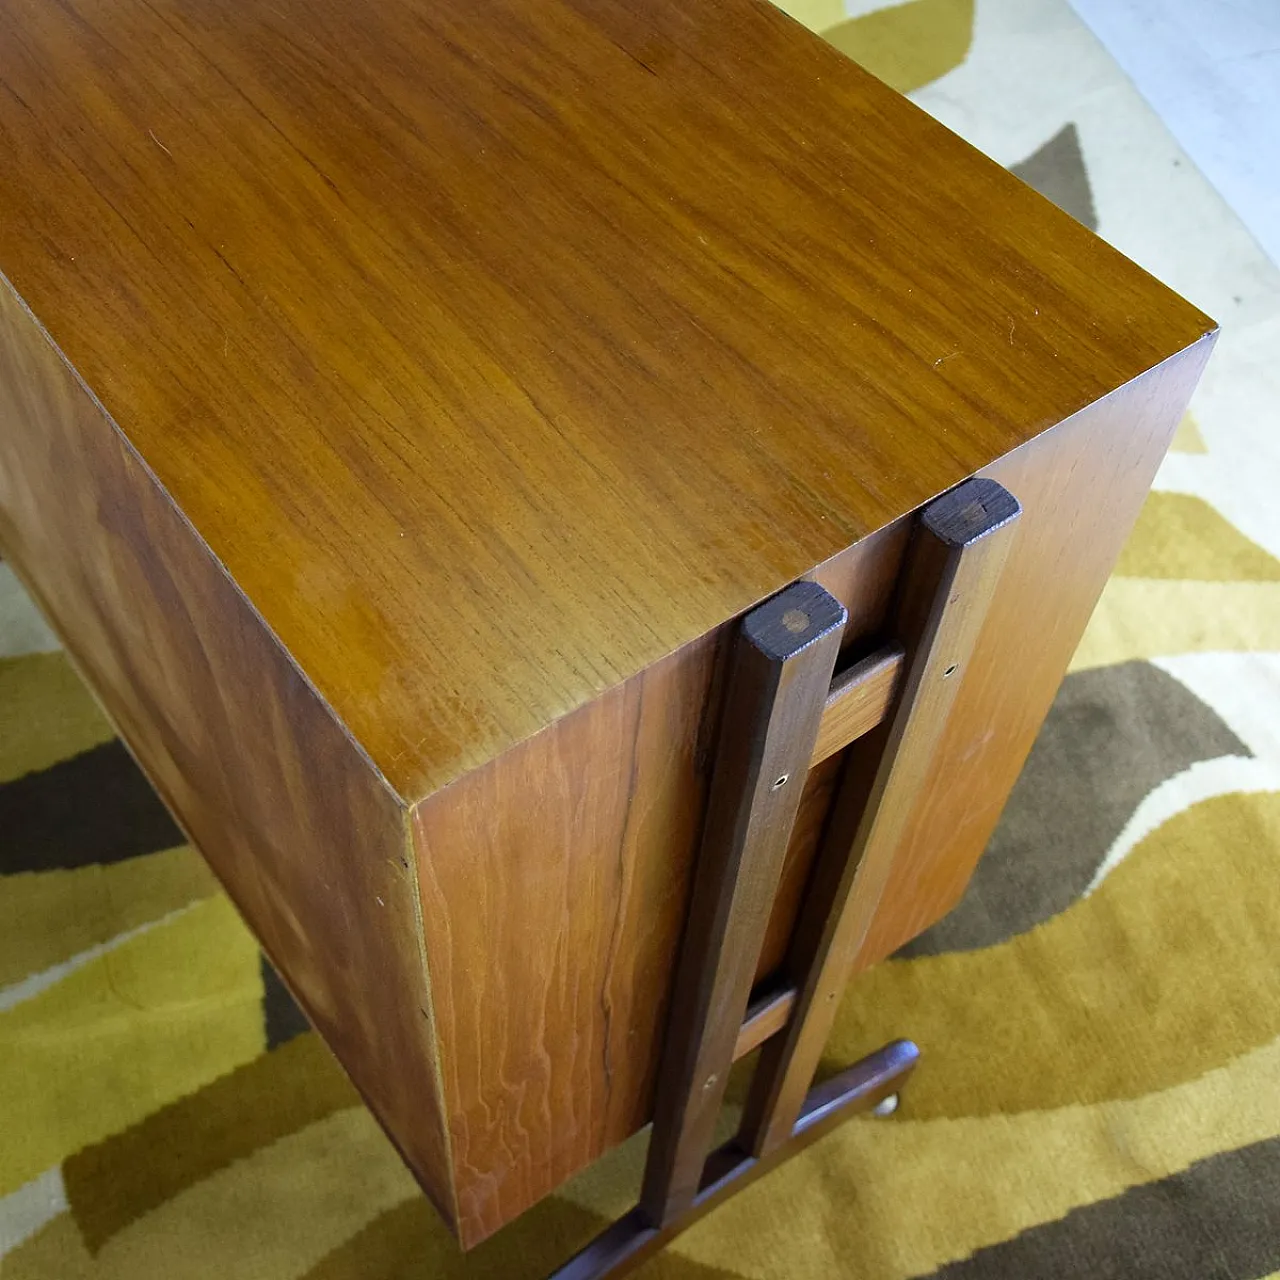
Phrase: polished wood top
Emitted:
{"points": [[498, 348]]}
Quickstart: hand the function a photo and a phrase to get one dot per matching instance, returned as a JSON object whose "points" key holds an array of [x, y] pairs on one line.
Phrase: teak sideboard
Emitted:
{"points": [[402, 405]]}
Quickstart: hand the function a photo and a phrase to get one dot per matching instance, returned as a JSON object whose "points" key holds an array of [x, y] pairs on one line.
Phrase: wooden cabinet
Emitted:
{"points": [[398, 406]]}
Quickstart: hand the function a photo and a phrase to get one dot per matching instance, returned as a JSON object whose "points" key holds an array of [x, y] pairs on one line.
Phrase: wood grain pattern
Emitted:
{"points": [[237, 742], [859, 700], [549, 1044], [863, 578], [1081, 486], [495, 383], [447, 378], [576, 851], [783, 657], [953, 568]]}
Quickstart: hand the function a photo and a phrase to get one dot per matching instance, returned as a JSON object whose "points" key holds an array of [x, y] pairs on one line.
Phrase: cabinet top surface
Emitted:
{"points": [[498, 348]]}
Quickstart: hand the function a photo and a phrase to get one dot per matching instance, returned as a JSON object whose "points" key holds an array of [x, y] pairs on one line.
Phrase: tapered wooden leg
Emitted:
{"points": [[954, 562]]}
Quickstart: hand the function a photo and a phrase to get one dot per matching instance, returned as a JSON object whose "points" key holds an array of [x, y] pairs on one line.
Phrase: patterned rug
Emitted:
{"points": [[1100, 1094]]}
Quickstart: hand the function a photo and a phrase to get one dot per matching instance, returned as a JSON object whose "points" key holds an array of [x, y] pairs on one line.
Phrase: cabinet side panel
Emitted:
{"points": [[554, 884], [1081, 486], [308, 841], [555, 887]]}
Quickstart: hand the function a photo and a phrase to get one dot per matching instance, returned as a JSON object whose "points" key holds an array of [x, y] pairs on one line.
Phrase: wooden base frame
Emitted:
{"points": [[783, 710], [634, 1238]]}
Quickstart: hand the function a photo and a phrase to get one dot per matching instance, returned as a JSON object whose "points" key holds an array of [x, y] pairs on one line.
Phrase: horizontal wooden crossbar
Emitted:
{"points": [[859, 700], [766, 1017]]}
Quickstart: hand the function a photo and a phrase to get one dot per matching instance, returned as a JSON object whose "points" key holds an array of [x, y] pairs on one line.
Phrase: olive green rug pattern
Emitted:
{"points": [[1100, 1017]]}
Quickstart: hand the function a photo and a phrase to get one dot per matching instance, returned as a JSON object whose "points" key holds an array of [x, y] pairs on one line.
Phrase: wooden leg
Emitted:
{"points": [[778, 684], [780, 692], [953, 564]]}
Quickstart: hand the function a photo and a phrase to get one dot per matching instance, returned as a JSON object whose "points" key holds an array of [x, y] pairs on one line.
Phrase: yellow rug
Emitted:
{"points": [[1100, 1093]]}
